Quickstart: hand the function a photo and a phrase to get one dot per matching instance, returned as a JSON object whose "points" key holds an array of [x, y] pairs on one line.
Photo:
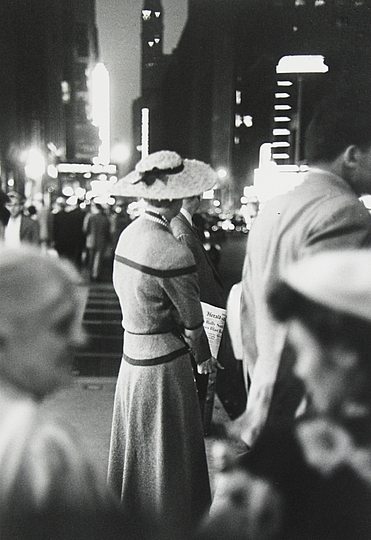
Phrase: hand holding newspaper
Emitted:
{"points": [[214, 321]]}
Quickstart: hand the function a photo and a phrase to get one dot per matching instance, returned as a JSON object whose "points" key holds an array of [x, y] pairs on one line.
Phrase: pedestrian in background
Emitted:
{"points": [[98, 238], [322, 213], [67, 231], [19, 228], [48, 486], [4, 213], [157, 461]]}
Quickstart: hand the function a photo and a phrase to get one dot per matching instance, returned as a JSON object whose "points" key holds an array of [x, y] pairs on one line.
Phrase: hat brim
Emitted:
{"points": [[195, 178], [340, 280]]}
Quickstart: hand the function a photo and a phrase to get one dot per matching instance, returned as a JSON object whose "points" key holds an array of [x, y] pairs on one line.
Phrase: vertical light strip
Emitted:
{"points": [[101, 110], [145, 132]]}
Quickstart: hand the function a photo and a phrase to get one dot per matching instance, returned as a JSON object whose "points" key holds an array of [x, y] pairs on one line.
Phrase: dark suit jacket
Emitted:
{"points": [[211, 289], [29, 231]]}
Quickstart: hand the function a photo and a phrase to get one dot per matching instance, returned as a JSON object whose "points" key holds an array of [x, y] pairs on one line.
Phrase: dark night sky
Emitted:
{"points": [[119, 28]]}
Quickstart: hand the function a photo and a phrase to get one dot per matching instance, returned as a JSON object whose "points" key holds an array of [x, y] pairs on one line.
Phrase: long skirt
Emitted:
{"points": [[157, 461]]}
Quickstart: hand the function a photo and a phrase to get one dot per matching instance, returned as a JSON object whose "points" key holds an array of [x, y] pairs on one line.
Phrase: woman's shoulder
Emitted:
{"points": [[170, 253], [153, 246]]}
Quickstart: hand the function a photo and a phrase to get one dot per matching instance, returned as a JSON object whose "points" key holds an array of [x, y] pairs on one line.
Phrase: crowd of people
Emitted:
{"points": [[305, 325], [86, 237]]}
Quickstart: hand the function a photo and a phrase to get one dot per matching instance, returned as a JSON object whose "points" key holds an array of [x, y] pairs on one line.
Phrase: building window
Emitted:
{"points": [[238, 97], [299, 3], [319, 3]]}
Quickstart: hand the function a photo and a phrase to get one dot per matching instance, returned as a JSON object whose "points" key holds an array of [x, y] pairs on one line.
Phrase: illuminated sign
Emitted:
{"points": [[82, 168]]}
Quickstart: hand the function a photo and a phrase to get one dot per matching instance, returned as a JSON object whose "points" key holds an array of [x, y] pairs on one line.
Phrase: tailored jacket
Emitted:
{"points": [[29, 231], [322, 213], [211, 288]]}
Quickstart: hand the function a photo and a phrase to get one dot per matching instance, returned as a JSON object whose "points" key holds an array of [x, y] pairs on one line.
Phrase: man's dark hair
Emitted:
{"points": [[341, 119]]}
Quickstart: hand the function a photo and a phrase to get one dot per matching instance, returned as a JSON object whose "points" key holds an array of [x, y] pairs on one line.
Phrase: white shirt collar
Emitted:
{"points": [[187, 215]]}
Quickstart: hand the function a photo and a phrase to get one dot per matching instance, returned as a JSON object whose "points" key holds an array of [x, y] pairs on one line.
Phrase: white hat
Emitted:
{"points": [[165, 175], [340, 280]]}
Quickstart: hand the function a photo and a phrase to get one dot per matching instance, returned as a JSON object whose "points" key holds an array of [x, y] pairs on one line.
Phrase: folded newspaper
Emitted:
{"points": [[214, 321]]}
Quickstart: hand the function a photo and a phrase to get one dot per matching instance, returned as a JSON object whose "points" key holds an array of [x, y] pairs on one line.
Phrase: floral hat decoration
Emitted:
{"points": [[165, 175]]}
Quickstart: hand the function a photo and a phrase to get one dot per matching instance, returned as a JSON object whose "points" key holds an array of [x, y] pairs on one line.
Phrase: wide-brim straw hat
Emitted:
{"points": [[165, 175], [339, 280]]}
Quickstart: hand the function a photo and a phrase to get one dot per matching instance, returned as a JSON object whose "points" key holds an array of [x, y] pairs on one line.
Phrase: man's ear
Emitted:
{"points": [[351, 155]]}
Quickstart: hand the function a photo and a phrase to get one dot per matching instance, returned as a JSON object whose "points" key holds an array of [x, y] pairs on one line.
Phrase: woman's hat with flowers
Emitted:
{"points": [[165, 175]]}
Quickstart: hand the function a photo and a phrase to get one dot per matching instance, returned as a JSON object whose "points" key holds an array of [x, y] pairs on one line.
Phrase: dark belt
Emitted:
{"points": [[158, 360]]}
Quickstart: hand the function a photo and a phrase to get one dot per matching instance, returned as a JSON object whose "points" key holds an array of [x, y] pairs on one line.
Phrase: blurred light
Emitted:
{"points": [[80, 192], [52, 171], [100, 187], [281, 131], [71, 201], [366, 199], [102, 177], [280, 144], [302, 63], [281, 156], [86, 168], [209, 194], [11, 182], [244, 200], [35, 164], [145, 132], [120, 153], [222, 173], [101, 199], [101, 109], [66, 93], [67, 191], [216, 203]]}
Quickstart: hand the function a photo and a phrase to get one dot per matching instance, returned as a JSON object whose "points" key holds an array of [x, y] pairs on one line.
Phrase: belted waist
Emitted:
{"points": [[153, 349]]}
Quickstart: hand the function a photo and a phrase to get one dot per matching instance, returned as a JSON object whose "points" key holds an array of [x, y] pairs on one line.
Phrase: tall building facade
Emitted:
{"points": [[220, 92], [48, 50], [148, 109]]}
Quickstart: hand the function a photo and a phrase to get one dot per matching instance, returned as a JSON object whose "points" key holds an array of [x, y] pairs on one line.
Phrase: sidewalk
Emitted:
{"points": [[88, 405]]}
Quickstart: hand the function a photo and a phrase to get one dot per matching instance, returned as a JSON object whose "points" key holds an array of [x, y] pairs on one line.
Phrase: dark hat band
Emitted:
{"points": [[149, 177]]}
